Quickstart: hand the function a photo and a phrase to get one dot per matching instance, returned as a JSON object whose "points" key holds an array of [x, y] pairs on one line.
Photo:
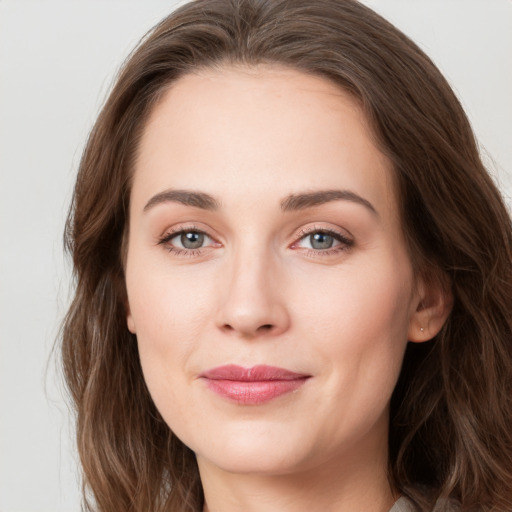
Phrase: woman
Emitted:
{"points": [[293, 274]]}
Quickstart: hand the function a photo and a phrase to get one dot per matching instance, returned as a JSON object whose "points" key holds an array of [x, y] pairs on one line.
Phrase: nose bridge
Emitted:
{"points": [[251, 301]]}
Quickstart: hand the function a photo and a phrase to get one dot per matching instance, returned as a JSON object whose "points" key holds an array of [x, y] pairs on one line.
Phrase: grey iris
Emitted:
{"points": [[192, 240], [321, 241]]}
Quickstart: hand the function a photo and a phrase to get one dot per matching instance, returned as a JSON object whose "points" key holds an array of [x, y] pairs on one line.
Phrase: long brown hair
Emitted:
{"points": [[451, 412]]}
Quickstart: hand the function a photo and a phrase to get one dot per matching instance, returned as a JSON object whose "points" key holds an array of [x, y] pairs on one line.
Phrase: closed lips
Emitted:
{"points": [[256, 373], [252, 386]]}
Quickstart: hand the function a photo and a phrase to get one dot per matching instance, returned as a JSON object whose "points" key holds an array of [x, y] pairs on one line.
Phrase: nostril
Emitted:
{"points": [[265, 327]]}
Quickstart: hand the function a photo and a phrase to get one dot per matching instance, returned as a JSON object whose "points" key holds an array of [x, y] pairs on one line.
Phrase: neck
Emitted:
{"points": [[344, 483]]}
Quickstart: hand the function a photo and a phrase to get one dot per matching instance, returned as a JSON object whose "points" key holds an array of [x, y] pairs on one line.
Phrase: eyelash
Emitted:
{"points": [[345, 243]]}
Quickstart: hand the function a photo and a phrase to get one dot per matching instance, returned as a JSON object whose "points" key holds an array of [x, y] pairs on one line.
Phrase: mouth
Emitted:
{"points": [[252, 386]]}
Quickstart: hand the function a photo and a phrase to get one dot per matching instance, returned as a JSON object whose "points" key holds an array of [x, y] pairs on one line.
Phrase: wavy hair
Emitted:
{"points": [[451, 411]]}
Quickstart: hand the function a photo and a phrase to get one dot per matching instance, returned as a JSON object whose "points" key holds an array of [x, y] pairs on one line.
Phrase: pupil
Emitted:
{"points": [[192, 240], [321, 241]]}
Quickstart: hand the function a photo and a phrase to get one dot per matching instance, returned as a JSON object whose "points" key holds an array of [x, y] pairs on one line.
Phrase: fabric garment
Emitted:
{"points": [[402, 505]]}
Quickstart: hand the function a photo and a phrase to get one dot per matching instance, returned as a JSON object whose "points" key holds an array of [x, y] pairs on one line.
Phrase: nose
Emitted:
{"points": [[252, 298]]}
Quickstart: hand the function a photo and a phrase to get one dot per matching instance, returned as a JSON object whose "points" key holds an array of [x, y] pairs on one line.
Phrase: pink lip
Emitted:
{"points": [[252, 386]]}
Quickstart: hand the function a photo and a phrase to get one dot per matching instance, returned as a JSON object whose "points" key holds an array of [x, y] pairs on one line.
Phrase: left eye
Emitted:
{"points": [[322, 240]]}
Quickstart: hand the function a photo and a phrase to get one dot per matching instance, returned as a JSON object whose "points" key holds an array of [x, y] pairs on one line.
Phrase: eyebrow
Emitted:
{"points": [[186, 197], [307, 200], [293, 202]]}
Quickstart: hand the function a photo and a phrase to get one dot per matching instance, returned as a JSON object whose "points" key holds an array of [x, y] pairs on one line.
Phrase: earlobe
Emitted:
{"points": [[434, 305], [129, 320], [131, 324]]}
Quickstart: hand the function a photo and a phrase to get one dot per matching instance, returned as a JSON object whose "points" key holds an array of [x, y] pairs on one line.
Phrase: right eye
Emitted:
{"points": [[186, 240], [189, 240]]}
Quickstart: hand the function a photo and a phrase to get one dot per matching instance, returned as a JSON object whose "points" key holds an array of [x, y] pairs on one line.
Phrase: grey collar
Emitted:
{"points": [[402, 505]]}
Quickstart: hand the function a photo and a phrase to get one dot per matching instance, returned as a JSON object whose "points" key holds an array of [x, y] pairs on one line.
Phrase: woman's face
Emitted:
{"points": [[268, 281]]}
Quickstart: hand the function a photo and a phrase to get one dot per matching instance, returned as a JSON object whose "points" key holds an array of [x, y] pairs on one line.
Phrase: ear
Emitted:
{"points": [[129, 319], [433, 303]]}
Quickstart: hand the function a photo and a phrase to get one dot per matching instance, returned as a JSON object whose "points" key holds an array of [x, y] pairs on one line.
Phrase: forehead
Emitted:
{"points": [[265, 127]]}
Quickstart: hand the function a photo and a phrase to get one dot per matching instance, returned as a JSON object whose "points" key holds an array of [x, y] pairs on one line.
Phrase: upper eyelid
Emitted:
{"points": [[173, 231], [341, 232]]}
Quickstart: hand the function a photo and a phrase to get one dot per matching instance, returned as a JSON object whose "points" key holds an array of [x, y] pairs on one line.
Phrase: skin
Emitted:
{"points": [[259, 292]]}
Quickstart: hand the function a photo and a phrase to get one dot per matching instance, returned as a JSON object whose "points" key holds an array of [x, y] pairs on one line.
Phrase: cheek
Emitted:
{"points": [[165, 305], [359, 318], [356, 323], [168, 311], [365, 296]]}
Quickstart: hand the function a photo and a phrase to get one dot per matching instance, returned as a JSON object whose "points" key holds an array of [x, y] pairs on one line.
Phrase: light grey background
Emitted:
{"points": [[57, 60]]}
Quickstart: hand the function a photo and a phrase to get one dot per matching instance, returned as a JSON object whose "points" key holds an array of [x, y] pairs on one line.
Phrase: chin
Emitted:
{"points": [[253, 450], [264, 462]]}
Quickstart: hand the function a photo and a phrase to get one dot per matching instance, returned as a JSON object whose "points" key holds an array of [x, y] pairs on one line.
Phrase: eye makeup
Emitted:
{"points": [[189, 240]]}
